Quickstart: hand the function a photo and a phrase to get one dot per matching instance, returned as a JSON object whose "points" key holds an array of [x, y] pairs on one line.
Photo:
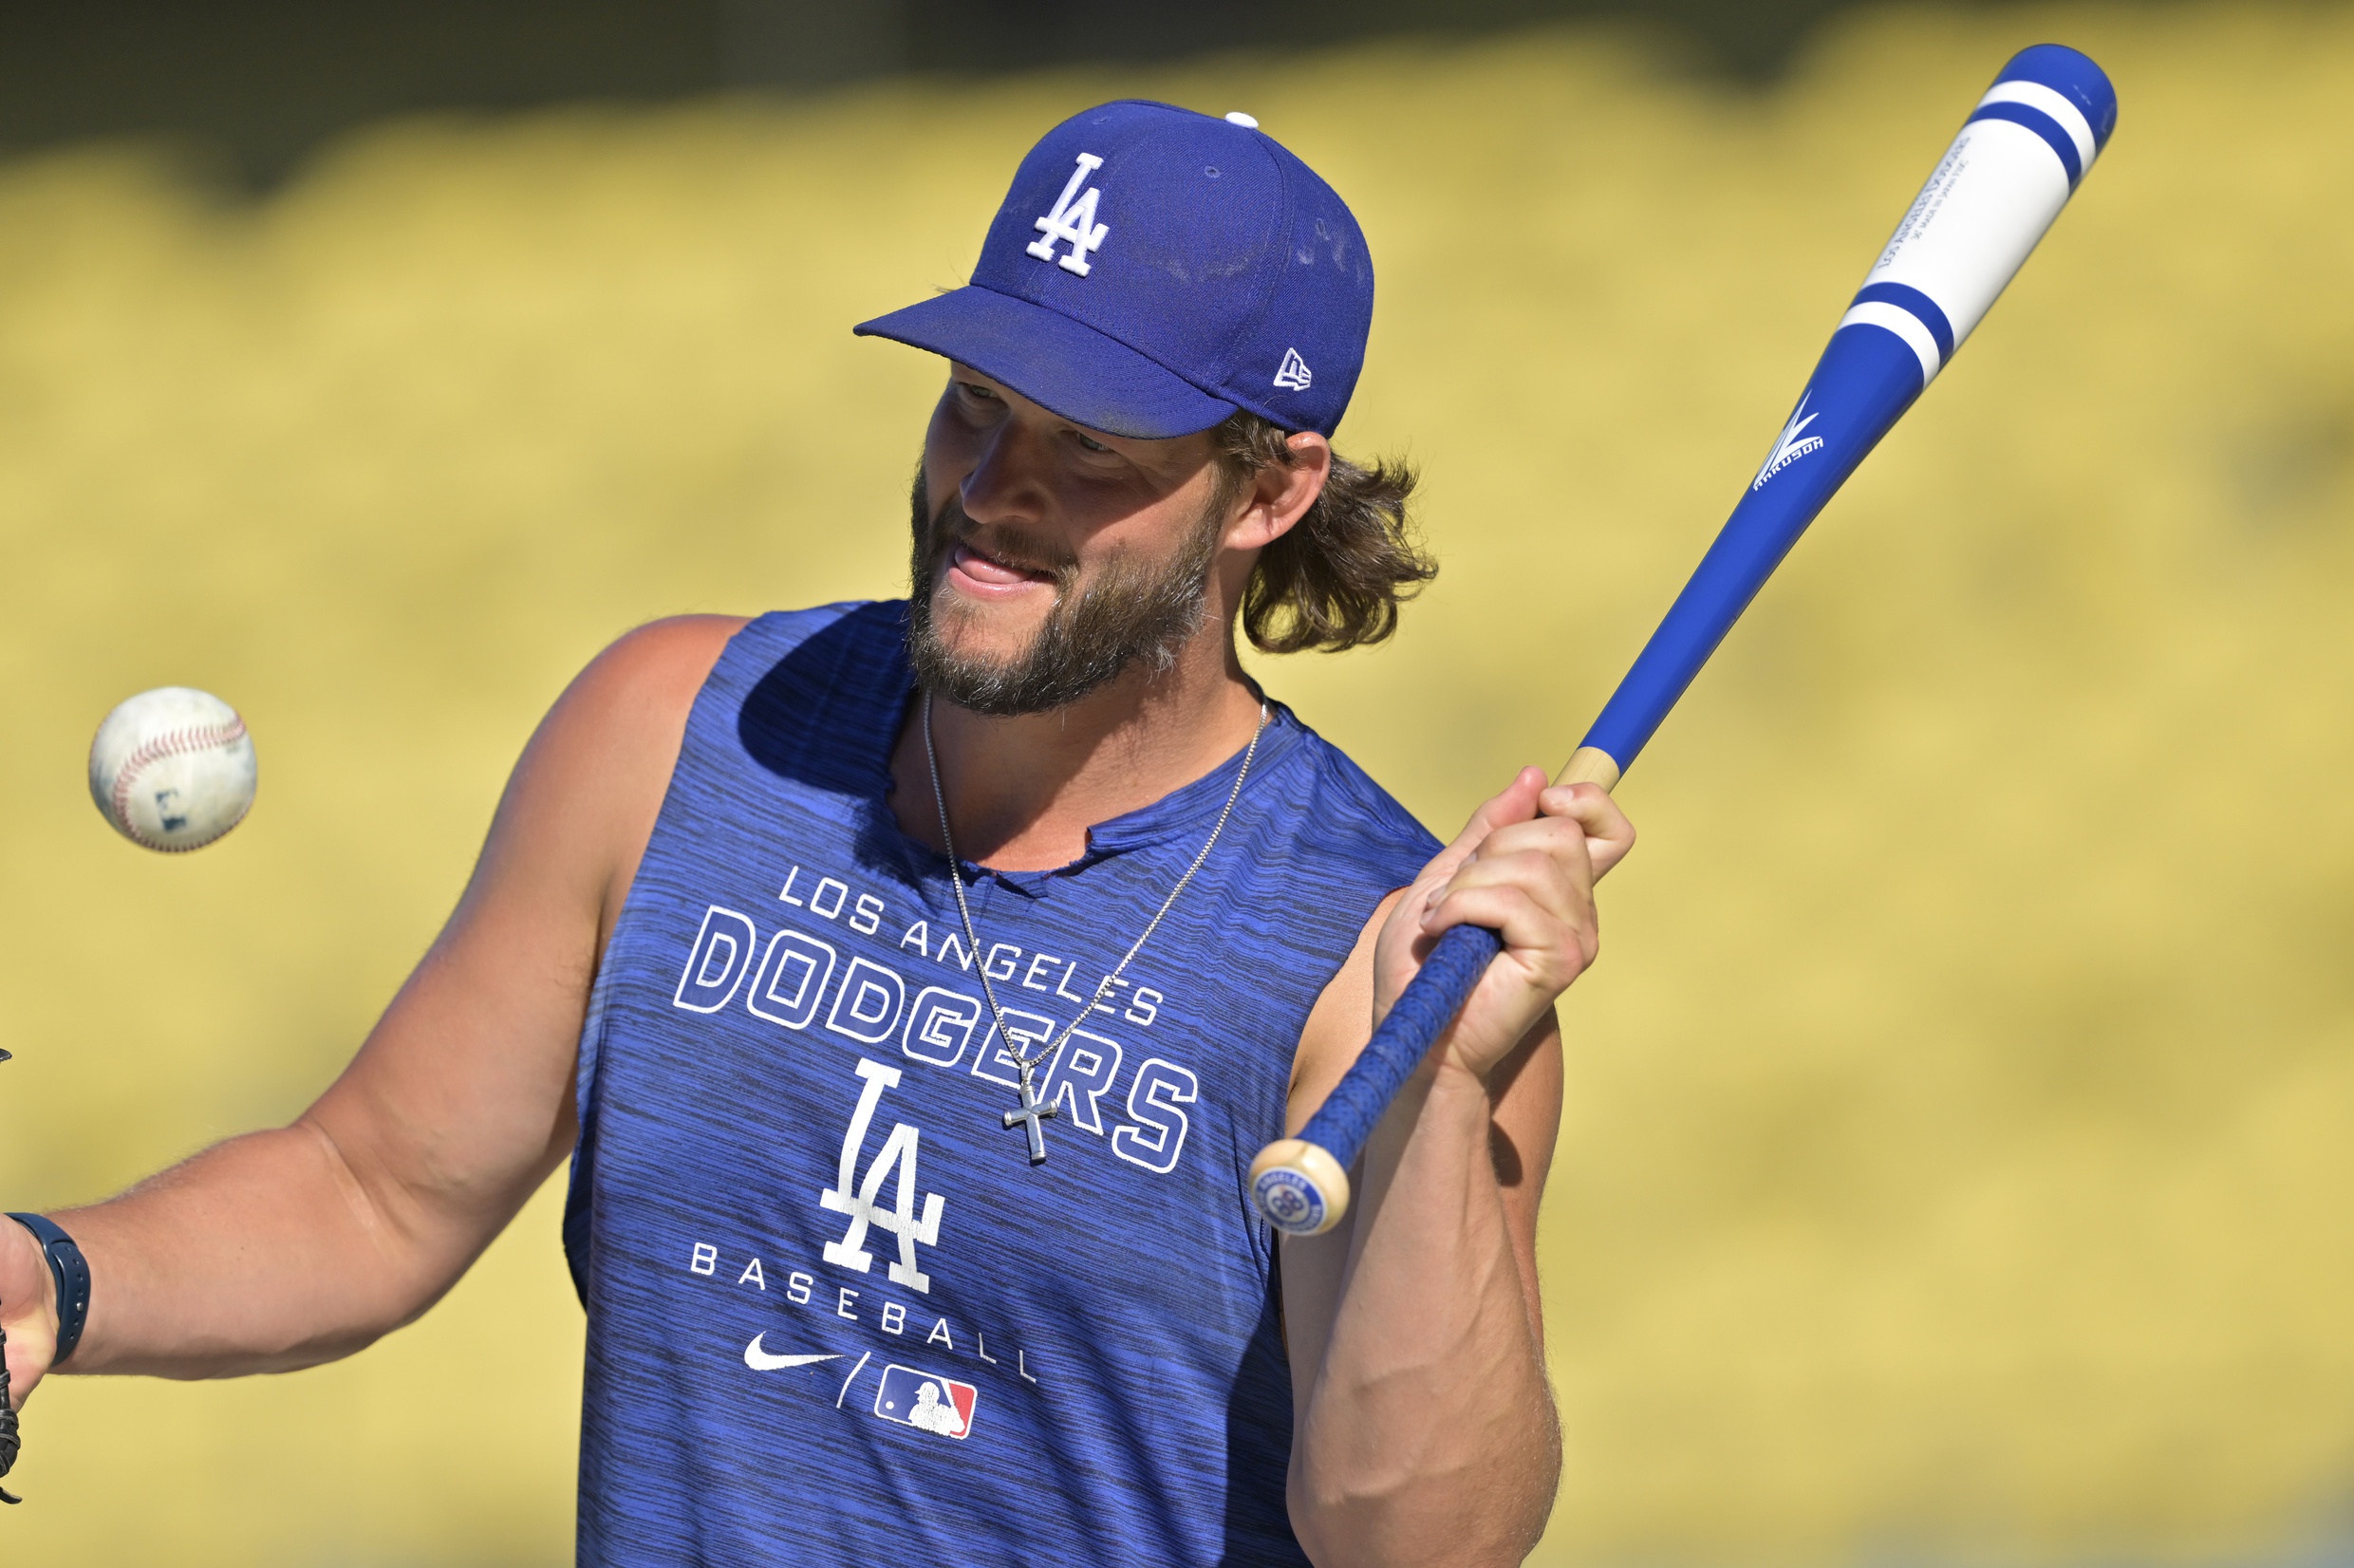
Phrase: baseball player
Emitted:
{"points": [[909, 985]]}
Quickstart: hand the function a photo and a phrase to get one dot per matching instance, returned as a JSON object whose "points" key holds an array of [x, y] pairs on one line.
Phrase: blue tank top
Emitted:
{"points": [[834, 1314]]}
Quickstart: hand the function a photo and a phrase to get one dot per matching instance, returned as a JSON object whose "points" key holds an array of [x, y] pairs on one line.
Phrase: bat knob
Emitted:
{"points": [[1302, 1189]]}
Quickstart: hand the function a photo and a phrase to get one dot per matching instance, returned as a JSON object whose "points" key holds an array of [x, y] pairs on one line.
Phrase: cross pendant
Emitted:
{"points": [[1033, 1112]]}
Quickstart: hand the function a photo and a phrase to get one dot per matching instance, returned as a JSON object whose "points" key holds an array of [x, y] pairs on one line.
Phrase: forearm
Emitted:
{"points": [[263, 1254], [1429, 1435]]}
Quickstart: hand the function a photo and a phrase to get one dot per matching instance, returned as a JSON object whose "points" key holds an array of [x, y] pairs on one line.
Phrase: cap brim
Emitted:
{"points": [[1056, 363]]}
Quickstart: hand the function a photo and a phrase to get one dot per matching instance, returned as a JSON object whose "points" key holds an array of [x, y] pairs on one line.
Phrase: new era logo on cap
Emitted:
{"points": [[1152, 269]]}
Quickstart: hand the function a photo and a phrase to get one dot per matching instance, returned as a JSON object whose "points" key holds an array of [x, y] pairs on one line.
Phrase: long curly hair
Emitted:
{"points": [[1337, 579]]}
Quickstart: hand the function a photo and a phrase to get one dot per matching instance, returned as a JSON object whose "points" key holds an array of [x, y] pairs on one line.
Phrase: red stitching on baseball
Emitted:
{"points": [[154, 750]]}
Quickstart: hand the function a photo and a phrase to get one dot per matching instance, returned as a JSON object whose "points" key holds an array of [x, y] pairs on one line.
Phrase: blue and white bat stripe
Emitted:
{"points": [[1918, 306], [1911, 316], [2061, 124], [2068, 88], [2017, 159]]}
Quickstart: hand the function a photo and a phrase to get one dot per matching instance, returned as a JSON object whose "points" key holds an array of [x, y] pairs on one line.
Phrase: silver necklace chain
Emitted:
{"points": [[1031, 1112]]}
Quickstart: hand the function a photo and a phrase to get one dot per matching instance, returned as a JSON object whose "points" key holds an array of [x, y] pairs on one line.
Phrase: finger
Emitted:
{"points": [[1516, 802], [1609, 834], [1552, 870], [1553, 833], [1556, 950], [1558, 838]]}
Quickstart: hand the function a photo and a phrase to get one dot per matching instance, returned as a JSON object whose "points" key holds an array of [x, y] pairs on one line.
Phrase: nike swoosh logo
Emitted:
{"points": [[760, 1361]]}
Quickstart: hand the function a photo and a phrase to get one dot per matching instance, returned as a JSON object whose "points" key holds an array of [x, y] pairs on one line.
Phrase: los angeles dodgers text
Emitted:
{"points": [[826, 895], [796, 978]]}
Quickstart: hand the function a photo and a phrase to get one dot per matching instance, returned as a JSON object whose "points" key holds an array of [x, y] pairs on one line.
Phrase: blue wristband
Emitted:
{"points": [[72, 1273]]}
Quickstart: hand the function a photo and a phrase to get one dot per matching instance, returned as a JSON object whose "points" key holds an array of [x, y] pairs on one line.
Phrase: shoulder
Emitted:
{"points": [[1356, 824], [660, 666], [583, 797], [652, 676], [600, 765], [620, 721], [1364, 851]]}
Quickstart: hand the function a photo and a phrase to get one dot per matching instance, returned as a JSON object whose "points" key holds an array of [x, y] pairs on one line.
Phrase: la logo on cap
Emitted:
{"points": [[1153, 271], [1074, 221]]}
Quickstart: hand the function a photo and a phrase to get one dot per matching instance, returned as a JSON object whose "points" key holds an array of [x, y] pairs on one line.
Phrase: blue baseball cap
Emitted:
{"points": [[1154, 269]]}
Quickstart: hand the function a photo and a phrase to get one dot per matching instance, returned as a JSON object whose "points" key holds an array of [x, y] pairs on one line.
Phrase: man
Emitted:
{"points": [[912, 984]]}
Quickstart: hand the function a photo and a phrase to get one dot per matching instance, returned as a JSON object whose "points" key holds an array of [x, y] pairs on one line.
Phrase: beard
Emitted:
{"points": [[1128, 613]]}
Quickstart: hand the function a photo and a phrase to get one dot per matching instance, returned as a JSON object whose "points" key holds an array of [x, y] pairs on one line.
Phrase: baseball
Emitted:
{"points": [[173, 768]]}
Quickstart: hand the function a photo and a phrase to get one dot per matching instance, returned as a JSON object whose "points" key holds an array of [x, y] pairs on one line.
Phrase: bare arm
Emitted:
{"points": [[1424, 1426], [289, 1247]]}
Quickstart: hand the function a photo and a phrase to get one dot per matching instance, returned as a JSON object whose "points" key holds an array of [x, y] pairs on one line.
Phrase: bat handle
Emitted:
{"points": [[1302, 1185]]}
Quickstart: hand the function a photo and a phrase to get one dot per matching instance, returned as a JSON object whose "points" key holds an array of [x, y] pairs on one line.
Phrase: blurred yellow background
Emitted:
{"points": [[1962, 1119]]}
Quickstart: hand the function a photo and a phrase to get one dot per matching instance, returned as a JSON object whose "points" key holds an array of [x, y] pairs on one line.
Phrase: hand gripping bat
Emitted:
{"points": [[2014, 165]]}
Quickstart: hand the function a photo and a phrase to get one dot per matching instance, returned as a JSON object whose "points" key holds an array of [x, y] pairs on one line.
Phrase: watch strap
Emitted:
{"points": [[72, 1273]]}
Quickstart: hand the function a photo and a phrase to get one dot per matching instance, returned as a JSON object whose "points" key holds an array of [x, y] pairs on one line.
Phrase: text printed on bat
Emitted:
{"points": [[1791, 445]]}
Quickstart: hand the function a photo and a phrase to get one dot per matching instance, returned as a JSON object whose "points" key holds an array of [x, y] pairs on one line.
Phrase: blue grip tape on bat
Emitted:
{"points": [[2015, 164]]}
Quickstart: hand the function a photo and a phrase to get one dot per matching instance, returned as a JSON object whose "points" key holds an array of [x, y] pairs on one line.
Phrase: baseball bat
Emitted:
{"points": [[2015, 164]]}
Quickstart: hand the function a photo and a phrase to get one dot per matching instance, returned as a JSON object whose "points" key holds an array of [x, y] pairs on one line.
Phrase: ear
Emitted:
{"points": [[1279, 496]]}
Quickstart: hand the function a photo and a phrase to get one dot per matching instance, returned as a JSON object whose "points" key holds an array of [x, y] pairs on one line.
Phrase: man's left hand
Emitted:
{"points": [[1525, 867]]}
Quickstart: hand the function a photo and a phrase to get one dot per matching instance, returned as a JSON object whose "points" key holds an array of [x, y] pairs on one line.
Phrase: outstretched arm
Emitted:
{"points": [[289, 1247], [1425, 1430]]}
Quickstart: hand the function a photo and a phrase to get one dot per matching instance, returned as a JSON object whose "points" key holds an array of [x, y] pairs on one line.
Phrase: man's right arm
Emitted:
{"points": [[289, 1247]]}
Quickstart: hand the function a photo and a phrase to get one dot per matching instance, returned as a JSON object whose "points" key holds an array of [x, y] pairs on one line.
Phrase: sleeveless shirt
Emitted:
{"points": [[835, 1313]]}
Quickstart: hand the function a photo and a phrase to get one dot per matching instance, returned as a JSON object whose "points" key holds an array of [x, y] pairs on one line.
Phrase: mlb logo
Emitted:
{"points": [[930, 1404]]}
